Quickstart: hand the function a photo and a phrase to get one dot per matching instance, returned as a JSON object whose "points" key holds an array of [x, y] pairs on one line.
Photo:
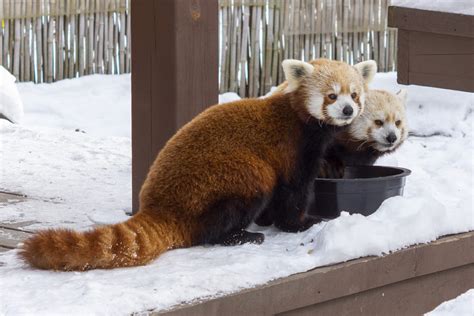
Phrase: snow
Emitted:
{"points": [[463, 305], [452, 6], [11, 105], [78, 179], [98, 104]]}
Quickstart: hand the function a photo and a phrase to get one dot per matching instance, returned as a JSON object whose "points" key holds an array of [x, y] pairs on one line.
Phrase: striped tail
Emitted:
{"points": [[132, 243]]}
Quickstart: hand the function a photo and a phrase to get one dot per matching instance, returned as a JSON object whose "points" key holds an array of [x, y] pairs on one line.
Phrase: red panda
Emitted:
{"points": [[381, 129], [219, 171]]}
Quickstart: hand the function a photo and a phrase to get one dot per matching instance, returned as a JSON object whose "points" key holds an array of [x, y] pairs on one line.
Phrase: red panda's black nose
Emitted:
{"points": [[347, 110], [391, 138]]}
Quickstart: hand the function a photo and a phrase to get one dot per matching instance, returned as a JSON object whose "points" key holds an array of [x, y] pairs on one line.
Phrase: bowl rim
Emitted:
{"points": [[404, 173]]}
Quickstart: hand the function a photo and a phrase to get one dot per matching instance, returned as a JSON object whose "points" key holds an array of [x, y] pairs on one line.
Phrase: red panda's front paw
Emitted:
{"points": [[242, 237]]}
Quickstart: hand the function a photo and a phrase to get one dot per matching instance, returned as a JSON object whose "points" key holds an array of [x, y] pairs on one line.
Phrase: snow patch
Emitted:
{"points": [[11, 105], [463, 305]]}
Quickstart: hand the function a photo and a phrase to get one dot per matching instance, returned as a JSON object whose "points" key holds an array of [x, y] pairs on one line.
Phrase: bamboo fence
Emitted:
{"points": [[49, 40], [256, 35]]}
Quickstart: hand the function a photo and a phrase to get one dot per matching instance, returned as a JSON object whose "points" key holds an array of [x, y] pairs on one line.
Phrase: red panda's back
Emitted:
{"points": [[234, 149]]}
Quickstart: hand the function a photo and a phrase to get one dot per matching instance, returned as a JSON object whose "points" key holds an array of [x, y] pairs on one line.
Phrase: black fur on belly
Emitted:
{"points": [[291, 198]]}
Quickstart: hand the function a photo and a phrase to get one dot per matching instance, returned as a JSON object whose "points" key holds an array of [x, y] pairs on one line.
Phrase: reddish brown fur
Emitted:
{"points": [[235, 149]]}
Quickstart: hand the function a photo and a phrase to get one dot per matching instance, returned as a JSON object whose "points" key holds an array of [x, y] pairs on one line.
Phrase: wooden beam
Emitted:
{"points": [[403, 57], [431, 21], [435, 49], [174, 73], [407, 282]]}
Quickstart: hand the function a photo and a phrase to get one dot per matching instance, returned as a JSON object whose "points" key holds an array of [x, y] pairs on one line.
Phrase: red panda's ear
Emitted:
{"points": [[402, 96], [367, 70], [295, 70]]}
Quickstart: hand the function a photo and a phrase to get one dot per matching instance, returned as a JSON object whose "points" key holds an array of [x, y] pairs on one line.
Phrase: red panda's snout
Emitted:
{"points": [[344, 109]]}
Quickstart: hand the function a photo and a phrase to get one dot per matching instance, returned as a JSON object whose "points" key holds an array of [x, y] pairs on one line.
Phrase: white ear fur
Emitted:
{"points": [[294, 71], [367, 69], [402, 96]]}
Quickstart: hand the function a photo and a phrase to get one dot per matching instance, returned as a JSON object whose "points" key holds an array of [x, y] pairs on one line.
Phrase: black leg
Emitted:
{"points": [[266, 217], [225, 221], [290, 208]]}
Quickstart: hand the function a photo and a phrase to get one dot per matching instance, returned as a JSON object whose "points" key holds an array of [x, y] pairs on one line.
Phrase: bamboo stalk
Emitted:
{"points": [[122, 37], [17, 39], [2, 14], [244, 51]]}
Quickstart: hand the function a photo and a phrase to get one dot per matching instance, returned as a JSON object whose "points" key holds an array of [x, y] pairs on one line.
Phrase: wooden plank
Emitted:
{"points": [[410, 297], [440, 44], [10, 238], [439, 60], [172, 84], [3, 249], [447, 258], [19, 226], [442, 81], [11, 198], [403, 57], [431, 21]]}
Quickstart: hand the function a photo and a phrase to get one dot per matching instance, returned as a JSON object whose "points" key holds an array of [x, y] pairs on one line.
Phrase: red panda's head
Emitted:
{"points": [[383, 125], [330, 91]]}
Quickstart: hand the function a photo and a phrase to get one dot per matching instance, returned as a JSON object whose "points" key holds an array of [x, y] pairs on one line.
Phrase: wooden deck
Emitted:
{"points": [[12, 233], [407, 282]]}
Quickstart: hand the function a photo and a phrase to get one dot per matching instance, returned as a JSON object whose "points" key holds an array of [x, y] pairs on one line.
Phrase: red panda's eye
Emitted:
{"points": [[332, 96], [354, 95], [378, 122], [398, 123]]}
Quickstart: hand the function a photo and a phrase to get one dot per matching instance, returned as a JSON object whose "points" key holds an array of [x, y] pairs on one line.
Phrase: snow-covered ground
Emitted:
{"points": [[463, 305], [80, 178]]}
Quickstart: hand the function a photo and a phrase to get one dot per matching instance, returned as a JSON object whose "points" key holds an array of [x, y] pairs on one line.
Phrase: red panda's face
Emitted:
{"points": [[384, 123], [334, 92], [338, 99]]}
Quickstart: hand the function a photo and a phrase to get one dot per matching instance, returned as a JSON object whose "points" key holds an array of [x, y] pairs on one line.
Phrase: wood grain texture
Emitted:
{"points": [[433, 264], [175, 76], [431, 21], [434, 48]]}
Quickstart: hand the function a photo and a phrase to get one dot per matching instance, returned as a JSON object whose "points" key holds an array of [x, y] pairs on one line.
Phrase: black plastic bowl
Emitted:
{"points": [[362, 190]]}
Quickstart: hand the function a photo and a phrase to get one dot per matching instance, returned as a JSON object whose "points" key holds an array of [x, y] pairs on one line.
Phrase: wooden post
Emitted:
{"points": [[174, 73]]}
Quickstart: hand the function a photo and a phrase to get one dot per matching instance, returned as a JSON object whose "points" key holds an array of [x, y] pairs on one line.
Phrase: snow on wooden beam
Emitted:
{"points": [[412, 281]]}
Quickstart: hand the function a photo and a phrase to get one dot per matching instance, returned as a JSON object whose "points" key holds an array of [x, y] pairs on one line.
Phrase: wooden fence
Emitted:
{"points": [[49, 40]]}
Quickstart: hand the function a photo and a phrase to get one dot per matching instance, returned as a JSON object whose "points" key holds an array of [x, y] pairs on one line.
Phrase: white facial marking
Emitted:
{"points": [[362, 99], [335, 110], [380, 136], [337, 88], [315, 105]]}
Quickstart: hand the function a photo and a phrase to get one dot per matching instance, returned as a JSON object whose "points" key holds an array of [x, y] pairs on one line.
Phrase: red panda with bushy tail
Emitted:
{"points": [[219, 171]]}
